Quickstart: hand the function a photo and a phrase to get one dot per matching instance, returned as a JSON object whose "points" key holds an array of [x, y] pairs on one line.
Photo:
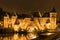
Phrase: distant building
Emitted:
{"points": [[6, 21], [53, 15], [38, 21]]}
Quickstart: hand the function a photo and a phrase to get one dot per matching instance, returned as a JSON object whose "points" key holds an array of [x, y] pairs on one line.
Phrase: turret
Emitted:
{"points": [[53, 14]]}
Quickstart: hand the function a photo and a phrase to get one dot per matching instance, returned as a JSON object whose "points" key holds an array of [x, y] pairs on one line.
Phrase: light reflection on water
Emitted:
{"points": [[18, 36], [29, 36]]}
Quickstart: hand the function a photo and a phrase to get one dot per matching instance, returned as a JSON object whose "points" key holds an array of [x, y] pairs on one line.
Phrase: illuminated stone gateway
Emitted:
{"points": [[38, 23]]}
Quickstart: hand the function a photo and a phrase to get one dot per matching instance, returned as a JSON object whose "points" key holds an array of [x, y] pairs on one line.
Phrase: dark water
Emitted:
{"points": [[29, 36]]}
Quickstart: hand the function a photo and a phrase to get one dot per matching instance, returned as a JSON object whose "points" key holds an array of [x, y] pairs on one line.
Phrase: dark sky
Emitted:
{"points": [[30, 5]]}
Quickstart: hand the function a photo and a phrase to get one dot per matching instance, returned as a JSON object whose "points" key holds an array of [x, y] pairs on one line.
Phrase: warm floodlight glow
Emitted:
{"points": [[47, 34], [16, 28], [48, 25], [32, 36]]}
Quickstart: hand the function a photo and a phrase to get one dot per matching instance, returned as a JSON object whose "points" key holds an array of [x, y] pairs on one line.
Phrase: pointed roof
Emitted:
{"points": [[6, 14]]}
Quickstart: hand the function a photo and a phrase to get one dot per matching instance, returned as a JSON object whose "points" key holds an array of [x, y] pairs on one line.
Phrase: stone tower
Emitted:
{"points": [[53, 14], [6, 20]]}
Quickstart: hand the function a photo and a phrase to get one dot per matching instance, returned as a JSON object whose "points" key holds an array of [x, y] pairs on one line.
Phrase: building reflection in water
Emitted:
{"points": [[18, 36], [32, 36]]}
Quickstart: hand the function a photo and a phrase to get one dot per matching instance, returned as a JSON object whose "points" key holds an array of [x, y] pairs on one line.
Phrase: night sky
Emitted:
{"points": [[30, 5]]}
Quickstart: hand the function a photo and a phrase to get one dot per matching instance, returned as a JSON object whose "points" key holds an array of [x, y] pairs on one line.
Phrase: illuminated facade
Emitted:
{"points": [[13, 19], [41, 23], [6, 21], [38, 23], [53, 20]]}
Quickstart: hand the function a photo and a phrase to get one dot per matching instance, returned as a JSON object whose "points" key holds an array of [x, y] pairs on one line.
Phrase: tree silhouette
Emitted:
{"points": [[35, 14], [46, 14]]}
